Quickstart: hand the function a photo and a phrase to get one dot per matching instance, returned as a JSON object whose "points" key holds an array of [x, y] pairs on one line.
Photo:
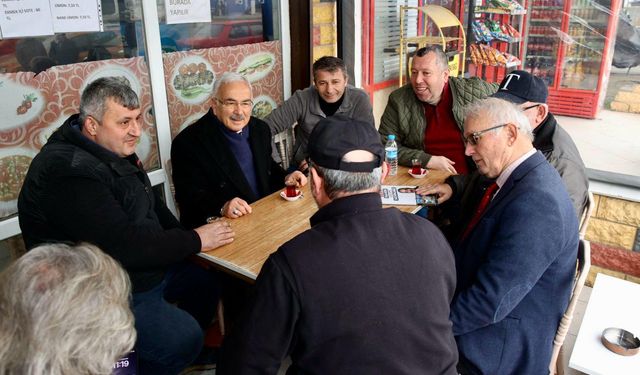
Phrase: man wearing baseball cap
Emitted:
{"points": [[530, 94], [365, 290]]}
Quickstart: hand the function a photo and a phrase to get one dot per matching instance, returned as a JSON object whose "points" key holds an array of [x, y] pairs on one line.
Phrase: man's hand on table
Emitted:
{"points": [[215, 234], [442, 163], [296, 177], [442, 191], [235, 208]]}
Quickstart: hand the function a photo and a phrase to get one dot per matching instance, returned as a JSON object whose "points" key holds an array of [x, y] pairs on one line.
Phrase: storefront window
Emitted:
{"points": [[387, 37], [383, 41], [242, 37], [233, 22]]}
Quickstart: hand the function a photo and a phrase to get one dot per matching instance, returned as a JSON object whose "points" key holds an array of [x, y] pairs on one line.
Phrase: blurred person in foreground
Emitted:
{"points": [[87, 184], [65, 310], [329, 95], [366, 290], [426, 115], [530, 93], [222, 163], [515, 247]]}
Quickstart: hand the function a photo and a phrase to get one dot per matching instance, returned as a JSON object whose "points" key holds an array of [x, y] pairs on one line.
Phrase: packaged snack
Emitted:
{"points": [[473, 51], [512, 31]]}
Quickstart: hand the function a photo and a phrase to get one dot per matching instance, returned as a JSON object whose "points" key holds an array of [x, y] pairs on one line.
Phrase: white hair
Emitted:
{"points": [[228, 77], [65, 310], [499, 111]]}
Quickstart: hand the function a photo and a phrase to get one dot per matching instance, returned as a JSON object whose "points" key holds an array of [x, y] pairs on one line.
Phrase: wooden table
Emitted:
{"points": [[613, 303], [274, 221]]}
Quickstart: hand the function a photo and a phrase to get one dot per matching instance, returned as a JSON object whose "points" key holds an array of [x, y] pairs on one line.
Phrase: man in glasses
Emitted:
{"points": [[515, 249], [530, 94], [426, 114], [365, 290], [222, 162]]}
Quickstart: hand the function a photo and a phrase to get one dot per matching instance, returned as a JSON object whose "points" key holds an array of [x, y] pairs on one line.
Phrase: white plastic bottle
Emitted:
{"points": [[391, 154]]}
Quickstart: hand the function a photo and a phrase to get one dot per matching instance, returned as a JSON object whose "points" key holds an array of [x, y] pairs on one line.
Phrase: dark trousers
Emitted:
{"points": [[171, 317]]}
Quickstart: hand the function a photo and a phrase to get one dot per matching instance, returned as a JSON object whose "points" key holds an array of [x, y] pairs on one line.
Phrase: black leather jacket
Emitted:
{"points": [[76, 190]]}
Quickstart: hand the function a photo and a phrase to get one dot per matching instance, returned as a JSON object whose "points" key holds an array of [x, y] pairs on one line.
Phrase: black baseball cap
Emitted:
{"points": [[521, 86], [335, 136]]}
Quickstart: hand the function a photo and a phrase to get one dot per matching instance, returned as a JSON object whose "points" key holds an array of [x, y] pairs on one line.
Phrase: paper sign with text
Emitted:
{"points": [[76, 16], [187, 11], [17, 18]]}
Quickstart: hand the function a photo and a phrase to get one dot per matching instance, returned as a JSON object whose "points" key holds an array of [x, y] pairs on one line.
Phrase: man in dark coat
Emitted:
{"points": [[87, 184], [530, 94], [366, 290], [222, 162]]}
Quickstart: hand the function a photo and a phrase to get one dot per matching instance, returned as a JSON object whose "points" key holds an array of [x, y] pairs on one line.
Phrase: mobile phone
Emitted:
{"points": [[427, 200]]}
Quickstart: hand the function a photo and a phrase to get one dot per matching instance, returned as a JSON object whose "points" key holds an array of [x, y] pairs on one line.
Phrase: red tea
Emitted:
{"points": [[291, 191], [416, 167]]}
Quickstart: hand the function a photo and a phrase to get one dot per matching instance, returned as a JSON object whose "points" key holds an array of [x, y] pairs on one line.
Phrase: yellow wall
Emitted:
{"points": [[325, 26]]}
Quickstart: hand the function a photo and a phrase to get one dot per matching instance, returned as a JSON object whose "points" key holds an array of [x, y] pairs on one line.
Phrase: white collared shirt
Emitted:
{"points": [[504, 176]]}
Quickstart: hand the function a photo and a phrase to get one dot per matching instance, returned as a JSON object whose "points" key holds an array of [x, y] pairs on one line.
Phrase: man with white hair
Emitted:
{"points": [[365, 290], [222, 162], [65, 310], [515, 250], [530, 93]]}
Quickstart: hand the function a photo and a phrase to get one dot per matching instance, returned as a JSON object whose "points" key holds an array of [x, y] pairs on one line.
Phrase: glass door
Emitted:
{"points": [[584, 44], [545, 29]]}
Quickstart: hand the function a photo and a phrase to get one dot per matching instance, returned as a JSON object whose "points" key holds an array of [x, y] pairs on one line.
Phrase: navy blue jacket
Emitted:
{"points": [[514, 274], [365, 290]]}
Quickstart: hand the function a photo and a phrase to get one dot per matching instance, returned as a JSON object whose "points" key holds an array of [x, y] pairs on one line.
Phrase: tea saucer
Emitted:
{"points": [[291, 199], [422, 175]]}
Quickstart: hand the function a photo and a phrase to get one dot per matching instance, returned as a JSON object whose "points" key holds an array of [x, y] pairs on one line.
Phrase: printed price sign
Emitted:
{"points": [[18, 18], [76, 16]]}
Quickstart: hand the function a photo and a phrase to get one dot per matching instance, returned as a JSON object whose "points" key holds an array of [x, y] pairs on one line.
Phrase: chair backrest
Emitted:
{"points": [[582, 271], [586, 215], [284, 147]]}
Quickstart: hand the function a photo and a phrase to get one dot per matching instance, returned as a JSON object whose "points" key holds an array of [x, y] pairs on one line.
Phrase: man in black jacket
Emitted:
{"points": [[529, 93], [87, 184], [222, 162], [366, 290]]}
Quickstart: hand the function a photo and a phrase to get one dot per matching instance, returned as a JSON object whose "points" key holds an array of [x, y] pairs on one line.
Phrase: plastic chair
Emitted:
{"points": [[586, 215], [582, 270], [284, 147]]}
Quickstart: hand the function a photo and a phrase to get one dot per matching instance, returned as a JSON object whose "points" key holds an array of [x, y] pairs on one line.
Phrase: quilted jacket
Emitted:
{"points": [[404, 115]]}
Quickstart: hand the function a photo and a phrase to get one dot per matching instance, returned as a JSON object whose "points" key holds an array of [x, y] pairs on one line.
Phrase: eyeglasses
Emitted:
{"points": [[230, 103], [531, 106], [473, 138]]}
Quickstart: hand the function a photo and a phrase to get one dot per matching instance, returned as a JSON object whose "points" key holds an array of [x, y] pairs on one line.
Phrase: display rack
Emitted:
{"points": [[498, 28], [435, 25]]}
